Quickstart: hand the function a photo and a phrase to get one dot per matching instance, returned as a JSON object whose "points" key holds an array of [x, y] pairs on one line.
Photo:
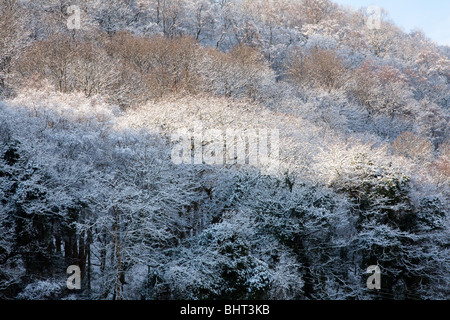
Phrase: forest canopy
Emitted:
{"points": [[92, 93]]}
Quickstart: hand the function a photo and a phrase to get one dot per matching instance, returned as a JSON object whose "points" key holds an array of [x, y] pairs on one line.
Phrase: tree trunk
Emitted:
{"points": [[117, 294]]}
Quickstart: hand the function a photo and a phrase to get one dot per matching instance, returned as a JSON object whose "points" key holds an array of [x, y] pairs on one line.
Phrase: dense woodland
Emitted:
{"points": [[87, 179]]}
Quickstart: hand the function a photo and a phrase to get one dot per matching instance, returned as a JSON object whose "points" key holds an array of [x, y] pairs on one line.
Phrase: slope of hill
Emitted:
{"points": [[116, 152]]}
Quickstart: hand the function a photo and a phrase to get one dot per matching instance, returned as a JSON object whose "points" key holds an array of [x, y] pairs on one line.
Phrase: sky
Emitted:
{"points": [[430, 16]]}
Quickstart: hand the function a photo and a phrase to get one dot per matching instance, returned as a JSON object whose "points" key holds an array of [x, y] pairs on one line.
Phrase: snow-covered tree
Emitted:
{"points": [[358, 172], [13, 36]]}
